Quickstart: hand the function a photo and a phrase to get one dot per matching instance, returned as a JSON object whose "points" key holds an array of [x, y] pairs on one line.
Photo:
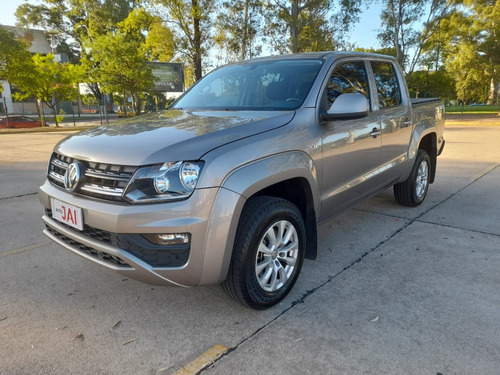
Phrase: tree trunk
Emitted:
{"points": [[195, 11], [491, 96], [54, 112], [244, 40], [294, 27], [40, 111]]}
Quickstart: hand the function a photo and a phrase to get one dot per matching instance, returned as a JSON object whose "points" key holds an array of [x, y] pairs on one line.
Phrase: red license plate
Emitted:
{"points": [[67, 214]]}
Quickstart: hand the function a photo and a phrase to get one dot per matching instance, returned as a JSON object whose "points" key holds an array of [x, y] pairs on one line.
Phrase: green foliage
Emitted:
{"points": [[60, 118], [388, 51], [14, 55], [47, 80], [193, 31], [429, 84], [398, 20], [237, 27], [159, 43], [467, 42], [403, 31], [89, 99], [118, 58], [121, 66], [113, 39], [308, 25], [473, 109]]}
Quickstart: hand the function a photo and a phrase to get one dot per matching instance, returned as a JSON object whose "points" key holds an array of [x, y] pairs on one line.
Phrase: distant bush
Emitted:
{"points": [[60, 118]]}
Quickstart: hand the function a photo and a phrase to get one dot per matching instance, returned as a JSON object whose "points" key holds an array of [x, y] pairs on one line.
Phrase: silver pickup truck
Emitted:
{"points": [[228, 186]]}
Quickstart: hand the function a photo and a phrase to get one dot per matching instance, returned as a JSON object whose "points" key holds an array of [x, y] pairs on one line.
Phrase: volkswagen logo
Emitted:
{"points": [[74, 174]]}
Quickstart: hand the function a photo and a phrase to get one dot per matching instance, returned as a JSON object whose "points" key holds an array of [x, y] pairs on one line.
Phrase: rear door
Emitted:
{"points": [[350, 147], [394, 110]]}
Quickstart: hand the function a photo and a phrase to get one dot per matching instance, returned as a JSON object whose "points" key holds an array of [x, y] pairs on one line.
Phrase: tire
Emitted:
{"points": [[412, 192], [268, 253]]}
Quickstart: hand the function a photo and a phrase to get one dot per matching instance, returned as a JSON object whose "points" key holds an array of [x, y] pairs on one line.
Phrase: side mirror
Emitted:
{"points": [[348, 106]]}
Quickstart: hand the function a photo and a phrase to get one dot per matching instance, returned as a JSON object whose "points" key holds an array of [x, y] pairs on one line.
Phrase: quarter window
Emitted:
{"points": [[386, 79]]}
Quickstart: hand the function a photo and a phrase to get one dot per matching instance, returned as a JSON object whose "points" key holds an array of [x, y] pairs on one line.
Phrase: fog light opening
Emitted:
{"points": [[167, 239]]}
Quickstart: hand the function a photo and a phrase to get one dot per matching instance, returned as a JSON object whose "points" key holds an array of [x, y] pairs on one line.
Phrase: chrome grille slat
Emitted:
{"points": [[91, 188], [107, 175], [59, 163], [104, 181], [57, 176]]}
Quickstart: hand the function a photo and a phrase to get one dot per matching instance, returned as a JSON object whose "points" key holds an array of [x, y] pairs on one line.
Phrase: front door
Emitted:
{"points": [[350, 147]]}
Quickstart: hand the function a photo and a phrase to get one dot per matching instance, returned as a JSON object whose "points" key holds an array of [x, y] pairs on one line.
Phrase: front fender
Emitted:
{"points": [[256, 176], [241, 184]]}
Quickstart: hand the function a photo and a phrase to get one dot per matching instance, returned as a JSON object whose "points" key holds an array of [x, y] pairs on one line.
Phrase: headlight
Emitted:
{"points": [[163, 182]]}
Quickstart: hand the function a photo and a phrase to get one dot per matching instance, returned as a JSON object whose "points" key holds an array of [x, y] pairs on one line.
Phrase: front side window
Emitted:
{"points": [[350, 77], [389, 92]]}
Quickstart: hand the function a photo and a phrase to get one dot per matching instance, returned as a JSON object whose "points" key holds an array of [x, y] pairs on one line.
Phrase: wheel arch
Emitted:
{"points": [[429, 145], [291, 176], [424, 138], [298, 191]]}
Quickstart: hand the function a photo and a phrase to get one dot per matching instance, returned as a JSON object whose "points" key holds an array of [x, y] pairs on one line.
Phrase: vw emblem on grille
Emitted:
{"points": [[73, 175]]}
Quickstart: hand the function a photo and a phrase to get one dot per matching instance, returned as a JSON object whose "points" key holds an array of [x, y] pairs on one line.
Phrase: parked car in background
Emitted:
{"points": [[16, 122]]}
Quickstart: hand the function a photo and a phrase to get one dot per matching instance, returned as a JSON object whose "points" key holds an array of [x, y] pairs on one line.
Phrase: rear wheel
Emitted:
{"points": [[412, 192], [268, 253]]}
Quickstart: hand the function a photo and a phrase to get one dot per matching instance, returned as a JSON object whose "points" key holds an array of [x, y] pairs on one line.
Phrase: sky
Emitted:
{"points": [[364, 33]]}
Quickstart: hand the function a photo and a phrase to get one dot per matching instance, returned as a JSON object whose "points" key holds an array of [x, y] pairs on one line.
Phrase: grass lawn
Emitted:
{"points": [[473, 109]]}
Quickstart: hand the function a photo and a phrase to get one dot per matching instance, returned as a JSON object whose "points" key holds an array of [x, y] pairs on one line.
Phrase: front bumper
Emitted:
{"points": [[111, 236]]}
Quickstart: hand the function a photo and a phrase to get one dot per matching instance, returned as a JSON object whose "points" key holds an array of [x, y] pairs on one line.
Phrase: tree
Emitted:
{"points": [[47, 80], [428, 84], [122, 68], [78, 21], [237, 28], [120, 57], [308, 25], [398, 18], [471, 52], [407, 25], [14, 55], [192, 19], [389, 51]]}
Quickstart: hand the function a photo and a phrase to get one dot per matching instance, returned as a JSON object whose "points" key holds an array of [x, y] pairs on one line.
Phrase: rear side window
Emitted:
{"points": [[350, 77], [389, 92]]}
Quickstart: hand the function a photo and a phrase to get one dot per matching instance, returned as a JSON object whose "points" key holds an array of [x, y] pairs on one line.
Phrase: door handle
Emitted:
{"points": [[406, 123], [375, 132]]}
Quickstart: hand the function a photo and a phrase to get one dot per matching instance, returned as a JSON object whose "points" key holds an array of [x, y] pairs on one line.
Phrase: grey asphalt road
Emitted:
{"points": [[394, 290]]}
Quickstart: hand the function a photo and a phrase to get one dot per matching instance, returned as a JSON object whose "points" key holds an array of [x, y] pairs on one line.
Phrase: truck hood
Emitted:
{"points": [[171, 135]]}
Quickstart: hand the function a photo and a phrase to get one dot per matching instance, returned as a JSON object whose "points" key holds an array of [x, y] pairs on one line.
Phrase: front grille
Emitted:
{"points": [[94, 233], [104, 181], [135, 244]]}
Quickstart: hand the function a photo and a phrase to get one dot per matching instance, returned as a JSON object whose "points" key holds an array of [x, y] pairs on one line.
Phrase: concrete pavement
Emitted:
{"points": [[394, 290]]}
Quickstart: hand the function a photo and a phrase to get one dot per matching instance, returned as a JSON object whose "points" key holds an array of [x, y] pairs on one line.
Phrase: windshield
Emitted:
{"points": [[257, 85]]}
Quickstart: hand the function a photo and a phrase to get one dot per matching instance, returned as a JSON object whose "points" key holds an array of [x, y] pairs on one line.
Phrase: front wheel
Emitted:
{"points": [[412, 192], [268, 253]]}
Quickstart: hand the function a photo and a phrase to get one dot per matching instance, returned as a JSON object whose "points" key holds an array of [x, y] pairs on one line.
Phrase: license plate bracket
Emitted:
{"points": [[67, 213]]}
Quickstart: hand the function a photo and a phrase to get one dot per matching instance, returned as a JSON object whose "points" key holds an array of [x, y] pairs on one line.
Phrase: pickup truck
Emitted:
{"points": [[229, 184]]}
